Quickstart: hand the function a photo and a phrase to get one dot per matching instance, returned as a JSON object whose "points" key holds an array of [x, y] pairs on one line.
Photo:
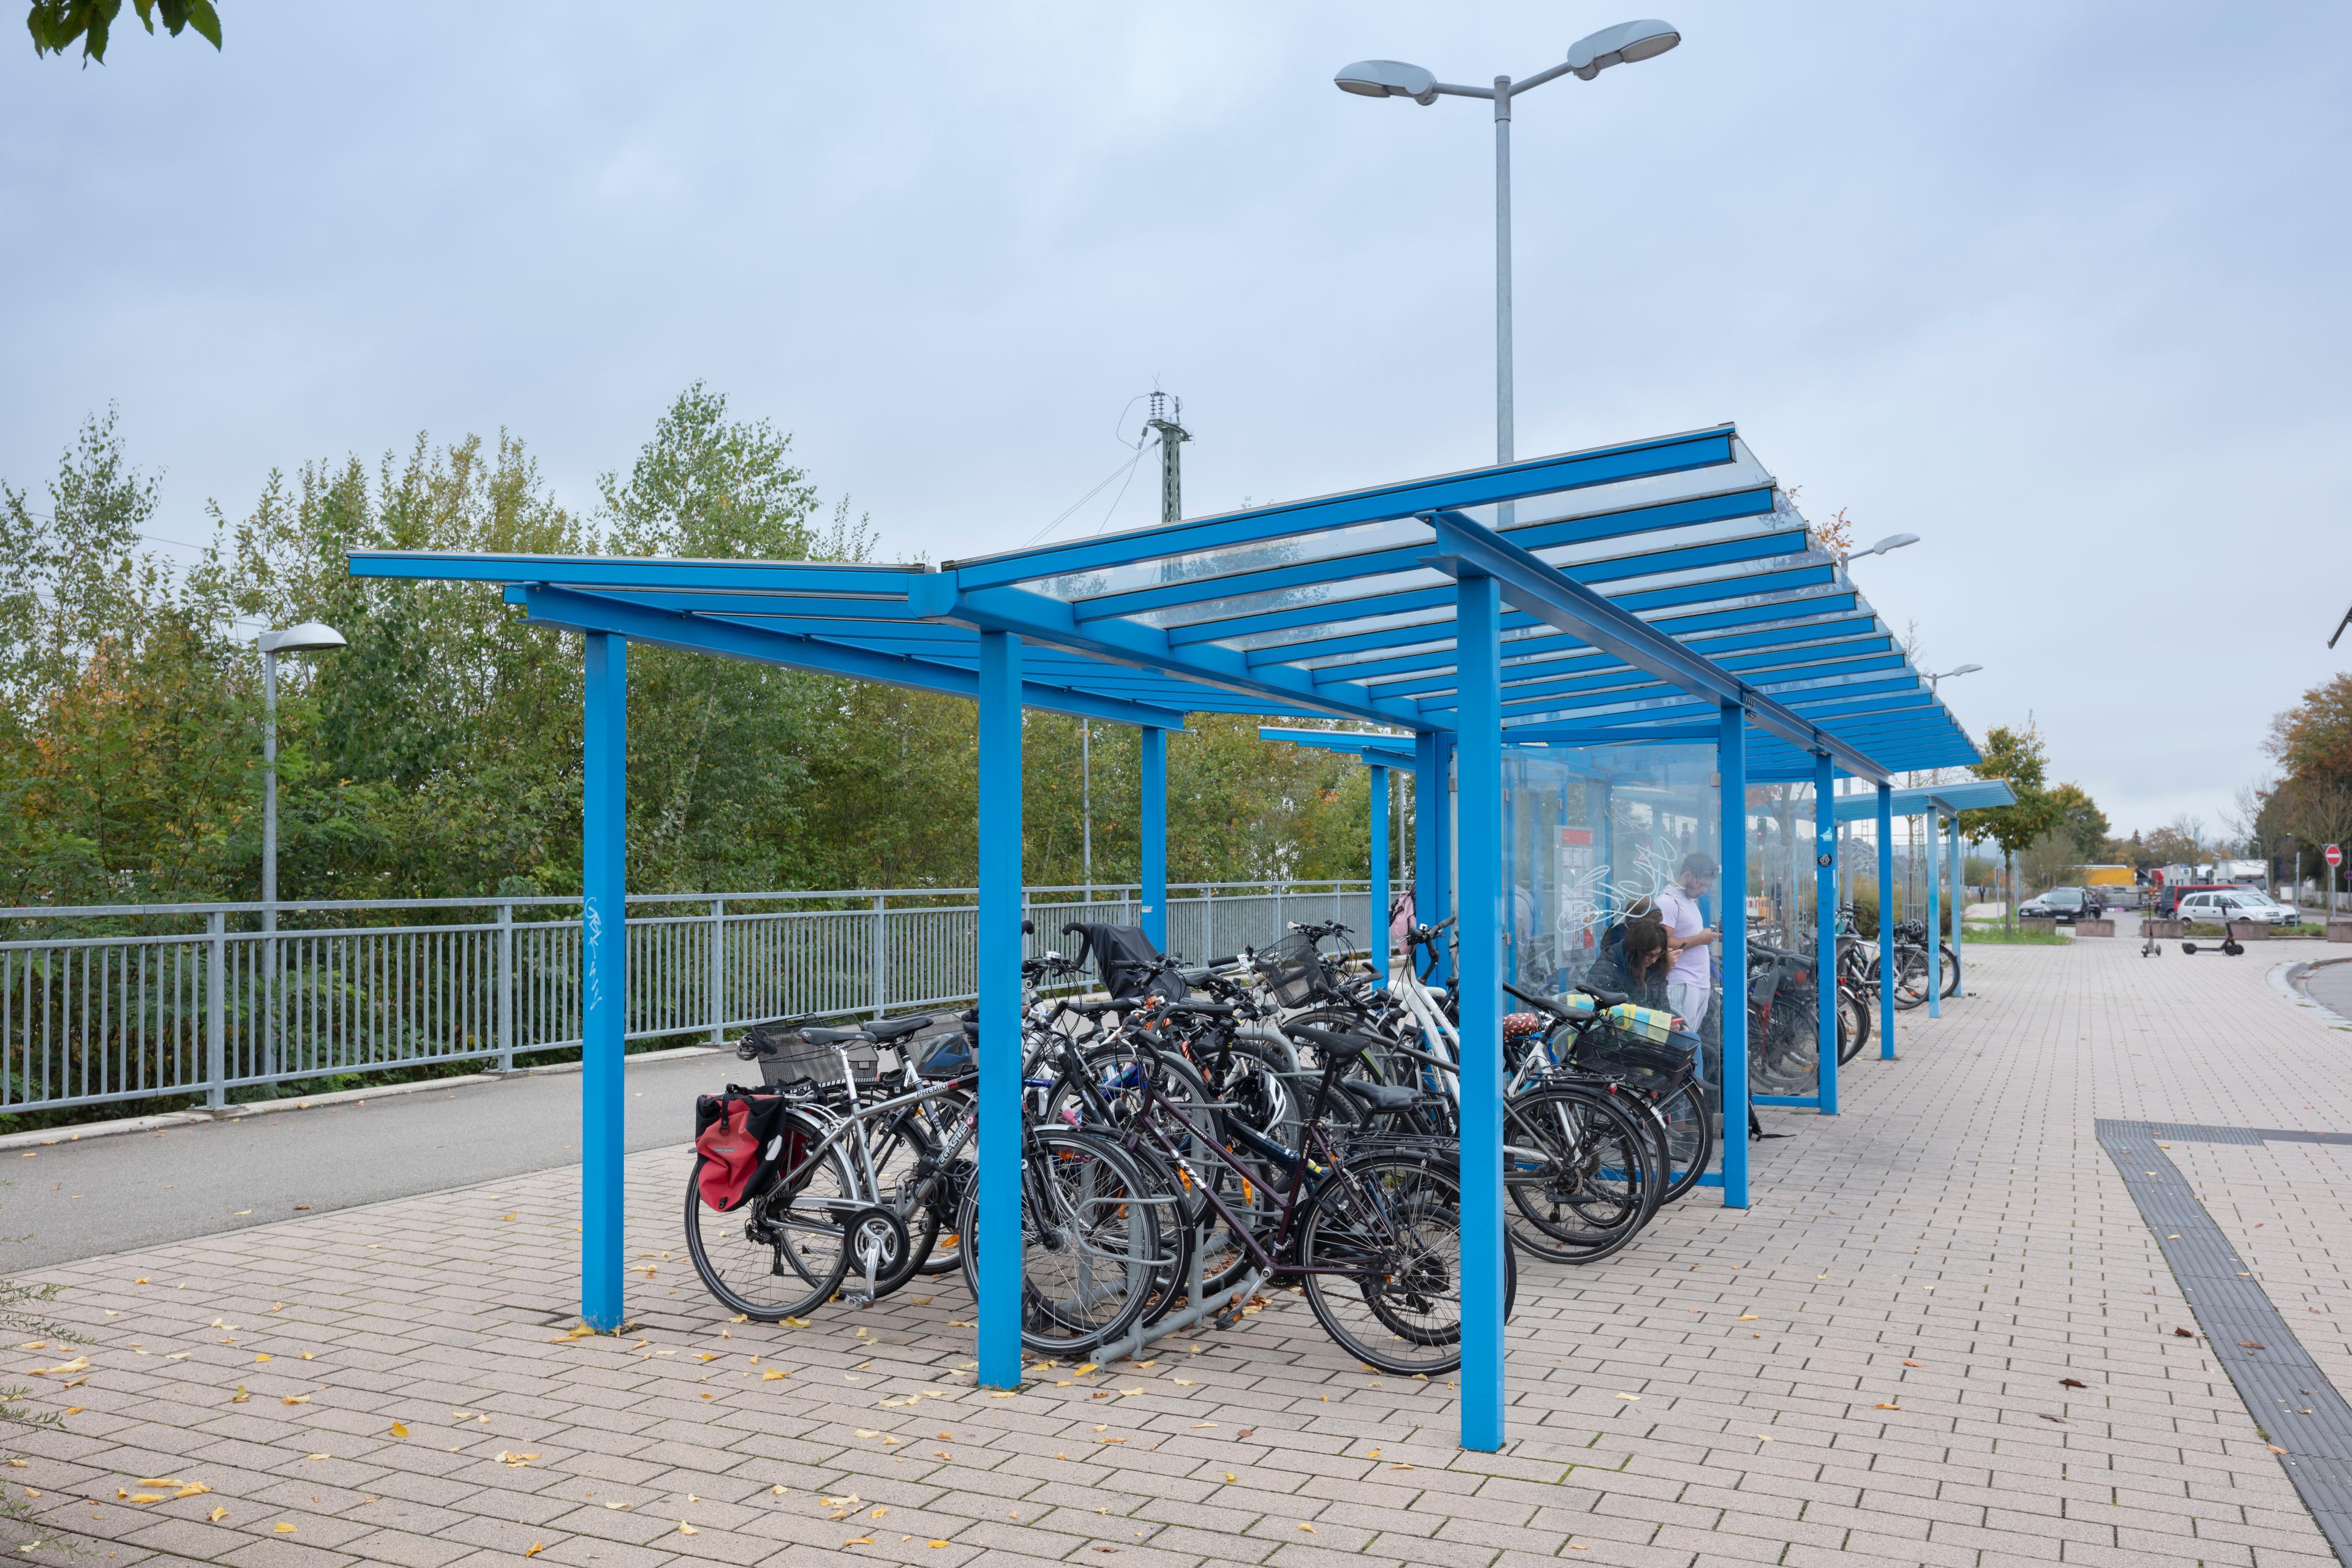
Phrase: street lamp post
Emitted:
{"points": [[1624, 44], [1946, 675], [309, 636]]}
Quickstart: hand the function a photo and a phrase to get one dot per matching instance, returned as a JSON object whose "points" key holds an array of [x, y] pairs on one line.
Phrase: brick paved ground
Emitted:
{"points": [[1864, 1365]]}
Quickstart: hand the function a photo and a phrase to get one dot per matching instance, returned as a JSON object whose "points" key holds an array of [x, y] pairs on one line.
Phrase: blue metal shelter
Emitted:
{"points": [[1656, 590]]}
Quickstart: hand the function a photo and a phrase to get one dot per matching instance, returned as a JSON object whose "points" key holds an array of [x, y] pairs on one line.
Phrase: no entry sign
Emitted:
{"points": [[2334, 855]]}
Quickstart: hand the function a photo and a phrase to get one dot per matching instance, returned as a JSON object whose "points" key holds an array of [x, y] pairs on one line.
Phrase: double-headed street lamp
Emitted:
{"points": [[1621, 44]]}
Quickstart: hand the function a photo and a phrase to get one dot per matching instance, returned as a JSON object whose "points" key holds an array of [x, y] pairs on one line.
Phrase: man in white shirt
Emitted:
{"points": [[1690, 981]]}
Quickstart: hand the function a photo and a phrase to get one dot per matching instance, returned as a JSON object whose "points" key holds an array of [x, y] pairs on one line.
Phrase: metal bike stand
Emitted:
{"points": [[1199, 1311]]}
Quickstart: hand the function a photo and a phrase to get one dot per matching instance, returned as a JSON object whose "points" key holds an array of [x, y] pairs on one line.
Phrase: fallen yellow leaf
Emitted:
{"points": [[398, 1430], [193, 1488], [218, 1515], [536, 1547], [1229, 1475], [144, 1497], [282, 1528], [686, 1529], [240, 1397], [867, 1432], [772, 1374], [79, 1363], [295, 1399], [938, 1543], [859, 1540]]}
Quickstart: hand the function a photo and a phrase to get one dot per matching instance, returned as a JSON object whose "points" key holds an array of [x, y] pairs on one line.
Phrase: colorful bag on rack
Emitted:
{"points": [[1650, 1023]]}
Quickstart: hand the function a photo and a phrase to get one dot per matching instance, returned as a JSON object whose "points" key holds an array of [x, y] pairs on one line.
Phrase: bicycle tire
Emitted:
{"points": [[1690, 1141], [1392, 1225], [1853, 1026], [818, 1260], [1594, 1189], [1067, 1316]]}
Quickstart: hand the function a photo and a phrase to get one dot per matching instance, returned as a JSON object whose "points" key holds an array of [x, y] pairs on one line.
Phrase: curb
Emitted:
{"points": [[2286, 979], [45, 1137]]}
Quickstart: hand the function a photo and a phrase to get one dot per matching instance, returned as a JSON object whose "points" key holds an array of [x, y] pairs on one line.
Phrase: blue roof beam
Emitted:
{"points": [[564, 610]]}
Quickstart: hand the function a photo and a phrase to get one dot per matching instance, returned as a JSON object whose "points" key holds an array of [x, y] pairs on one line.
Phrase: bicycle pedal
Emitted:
{"points": [[861, 1299]]}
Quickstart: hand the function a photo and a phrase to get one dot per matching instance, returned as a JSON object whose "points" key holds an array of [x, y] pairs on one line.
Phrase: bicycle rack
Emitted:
{"points": [[1197, 1311]]}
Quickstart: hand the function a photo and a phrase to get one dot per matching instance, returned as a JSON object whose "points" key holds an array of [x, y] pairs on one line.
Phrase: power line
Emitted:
{"points": [[1126, 467]]}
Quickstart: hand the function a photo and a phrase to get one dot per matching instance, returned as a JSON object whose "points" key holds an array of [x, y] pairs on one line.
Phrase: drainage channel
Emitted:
{"points": [[2288, 1396]]}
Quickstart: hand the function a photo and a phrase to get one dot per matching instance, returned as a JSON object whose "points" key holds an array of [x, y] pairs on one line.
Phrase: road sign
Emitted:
{"points": [[2334, 855]]}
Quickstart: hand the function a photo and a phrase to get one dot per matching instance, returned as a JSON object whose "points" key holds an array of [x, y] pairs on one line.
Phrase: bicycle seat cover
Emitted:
{"points": [[891, 1029], [833, 1037], [1334, 1047], [1381, 1096]]}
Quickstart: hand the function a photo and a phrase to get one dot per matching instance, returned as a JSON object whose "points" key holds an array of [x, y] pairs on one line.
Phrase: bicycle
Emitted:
{"points": [[1370, 1228]]}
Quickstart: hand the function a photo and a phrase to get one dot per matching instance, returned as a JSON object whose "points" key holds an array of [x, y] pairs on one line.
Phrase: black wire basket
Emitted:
{"points": [[1294, 971], [789, 1061]]}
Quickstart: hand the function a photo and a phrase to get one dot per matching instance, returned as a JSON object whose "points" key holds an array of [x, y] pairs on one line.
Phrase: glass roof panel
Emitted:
{"points": [[1742, 473]]}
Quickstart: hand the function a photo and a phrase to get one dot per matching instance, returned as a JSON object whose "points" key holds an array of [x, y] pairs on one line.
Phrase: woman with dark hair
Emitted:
{"points": [[1637, 964]]}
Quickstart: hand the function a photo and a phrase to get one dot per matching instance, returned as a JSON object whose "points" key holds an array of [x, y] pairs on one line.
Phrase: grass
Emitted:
{"points": [[2004, 937]]}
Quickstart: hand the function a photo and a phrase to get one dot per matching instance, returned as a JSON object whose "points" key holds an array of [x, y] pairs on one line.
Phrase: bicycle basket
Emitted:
{"points": [[788, 1060], [1293, 970], [1651, 1068]]}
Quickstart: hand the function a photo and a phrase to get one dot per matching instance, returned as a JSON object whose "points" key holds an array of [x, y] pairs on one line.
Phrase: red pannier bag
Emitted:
{"points": [[740, 1136]]}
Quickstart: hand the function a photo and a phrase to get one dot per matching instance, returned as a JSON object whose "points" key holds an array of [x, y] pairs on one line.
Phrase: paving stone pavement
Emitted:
{"points": [[1866, 1365]]}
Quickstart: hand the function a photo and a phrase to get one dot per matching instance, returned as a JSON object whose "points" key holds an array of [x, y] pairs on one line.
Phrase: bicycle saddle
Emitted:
{"points": [[1381, 1096], [1334, 1047], [891, 1029], [834, 1036], [1605, 996]]}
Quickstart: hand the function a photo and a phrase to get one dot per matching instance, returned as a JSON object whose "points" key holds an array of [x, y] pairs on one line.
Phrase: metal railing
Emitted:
{"points": [[97, 1006]]}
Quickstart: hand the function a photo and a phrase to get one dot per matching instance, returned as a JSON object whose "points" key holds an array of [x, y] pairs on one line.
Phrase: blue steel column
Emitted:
{"points": [[1959, 909], [603, 972], [1377, 938], [1154, 830], [1478, 659], [1428, 829], [1731, 903], [999, 1010], [1887, 922], [1825, 939], [1443, 840], [1935, 935]]}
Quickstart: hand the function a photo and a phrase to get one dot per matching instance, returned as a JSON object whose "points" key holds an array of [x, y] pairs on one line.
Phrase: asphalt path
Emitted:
{"points": [[132, 1190], [2330, 985]]}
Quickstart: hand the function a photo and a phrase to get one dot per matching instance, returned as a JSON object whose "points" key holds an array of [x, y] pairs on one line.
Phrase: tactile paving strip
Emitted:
{"points": [[2296, 1407]]}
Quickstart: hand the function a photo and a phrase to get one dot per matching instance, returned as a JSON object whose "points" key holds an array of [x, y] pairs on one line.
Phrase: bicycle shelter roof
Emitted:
{"points": [[1646, 585]]}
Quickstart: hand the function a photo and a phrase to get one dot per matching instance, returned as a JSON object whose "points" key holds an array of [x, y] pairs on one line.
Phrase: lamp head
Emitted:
{"points": [[1621, 44], [1964, 669], [309, 636], [1389, 79]]}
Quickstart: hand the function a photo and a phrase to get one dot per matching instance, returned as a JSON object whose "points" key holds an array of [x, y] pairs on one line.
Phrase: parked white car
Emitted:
{"points": [[2236, 904]]}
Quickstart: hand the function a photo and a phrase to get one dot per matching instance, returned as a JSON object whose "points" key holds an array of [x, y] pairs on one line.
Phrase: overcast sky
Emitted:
{"points": [[2061, 288]]}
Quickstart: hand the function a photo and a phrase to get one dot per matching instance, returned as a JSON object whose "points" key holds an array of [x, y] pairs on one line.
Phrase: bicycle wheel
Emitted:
{"points": [[1853, 1026], [1910, 976], [1951, 967], [899, 1148], [1091, 1229], [1579, 1173], [780, 1255], [1380, 1245], [1690, 1137]]}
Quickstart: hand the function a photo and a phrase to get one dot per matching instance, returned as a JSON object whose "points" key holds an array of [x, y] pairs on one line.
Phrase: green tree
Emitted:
{"points": [[57, 24], [2018, 756], [2080, 821]]}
